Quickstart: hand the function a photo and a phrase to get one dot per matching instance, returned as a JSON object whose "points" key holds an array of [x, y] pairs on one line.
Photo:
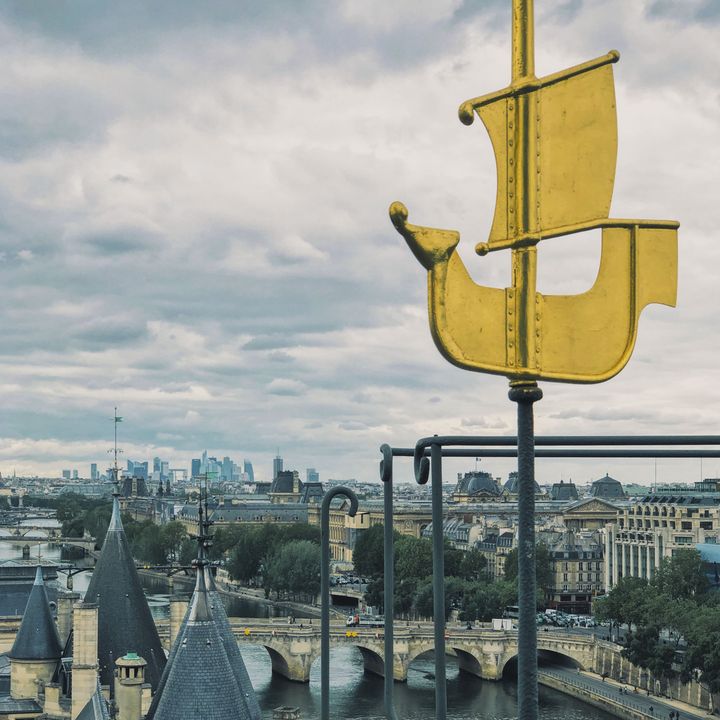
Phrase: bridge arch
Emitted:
{"points": [[417, 650], [279, 662], [373, 661], [545, 657], [468, 661]]}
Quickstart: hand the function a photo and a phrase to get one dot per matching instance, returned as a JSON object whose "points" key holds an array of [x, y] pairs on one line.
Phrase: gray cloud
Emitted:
{"points": [[202, 238]]}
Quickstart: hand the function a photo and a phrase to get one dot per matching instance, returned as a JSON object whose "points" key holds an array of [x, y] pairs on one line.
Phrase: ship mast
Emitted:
{"points": [[523, 133]]}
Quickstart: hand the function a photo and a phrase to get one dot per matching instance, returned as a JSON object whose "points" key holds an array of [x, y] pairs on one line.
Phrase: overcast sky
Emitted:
{"points": [[194, 227]]}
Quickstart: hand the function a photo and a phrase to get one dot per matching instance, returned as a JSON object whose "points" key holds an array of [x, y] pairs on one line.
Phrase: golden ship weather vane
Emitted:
{"points": [[555, 145]]}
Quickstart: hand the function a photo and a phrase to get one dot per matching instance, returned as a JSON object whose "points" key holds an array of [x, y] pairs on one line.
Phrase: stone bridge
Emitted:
{"points": [[483, 652], [32, 535]]}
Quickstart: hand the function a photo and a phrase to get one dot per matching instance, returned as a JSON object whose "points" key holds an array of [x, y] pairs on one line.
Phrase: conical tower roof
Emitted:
{"points": [[125, 623], [200, 680], [205, 662], [37, 638]]}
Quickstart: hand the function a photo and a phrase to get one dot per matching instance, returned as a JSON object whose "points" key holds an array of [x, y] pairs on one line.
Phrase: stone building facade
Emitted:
{"points": [[656, 525]]}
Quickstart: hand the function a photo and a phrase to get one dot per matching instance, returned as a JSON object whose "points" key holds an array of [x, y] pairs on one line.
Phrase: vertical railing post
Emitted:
{"points": [[325, 591], [438, 546], [525, 395], [386, 475]]}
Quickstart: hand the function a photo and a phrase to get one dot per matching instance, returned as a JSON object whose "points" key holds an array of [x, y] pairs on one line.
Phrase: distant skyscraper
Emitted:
{"points": [[195, 467], [312, 475], [137, 469], [277, 465], [157, 462], [248, 470], [227, 469], [164, 469], [93, 471], [75, 474], [66, 474]]}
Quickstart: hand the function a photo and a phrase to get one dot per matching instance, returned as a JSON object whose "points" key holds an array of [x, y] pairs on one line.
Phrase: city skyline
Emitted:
{"points": [[204, 242]]}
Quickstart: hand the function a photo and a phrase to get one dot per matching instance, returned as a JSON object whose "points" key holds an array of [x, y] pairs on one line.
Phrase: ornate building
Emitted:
{"points": [[653, 527]]}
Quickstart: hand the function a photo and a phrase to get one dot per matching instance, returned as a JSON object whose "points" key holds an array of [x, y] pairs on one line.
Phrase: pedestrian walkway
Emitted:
{"points": [[617, 693]]}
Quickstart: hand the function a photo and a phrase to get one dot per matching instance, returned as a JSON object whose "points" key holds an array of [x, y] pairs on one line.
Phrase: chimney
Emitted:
{"points": [[51, 706], [65, 602], [85, 655], [129, 681]]}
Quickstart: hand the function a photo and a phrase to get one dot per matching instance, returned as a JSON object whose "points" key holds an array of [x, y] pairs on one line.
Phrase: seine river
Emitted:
{"points": [[357, 695]]}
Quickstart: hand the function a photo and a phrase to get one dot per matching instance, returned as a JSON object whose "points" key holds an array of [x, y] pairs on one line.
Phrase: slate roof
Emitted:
{"points": [[37, 638], [477, 482], [13, 706], [96, 708], [607, 487], [563, 491], [124, 620], [512, 484], [205, 677]]}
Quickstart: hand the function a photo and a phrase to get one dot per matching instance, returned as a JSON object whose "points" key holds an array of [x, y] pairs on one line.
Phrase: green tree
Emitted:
{"points": [[247, 555], [484, 601], [73, 527], [413, 559], [453, 560], [702, 657], [626, 604], [455, 590], [544, 576], [473, 565], [645, 649], [682, 576], [172, 535], [188, 551], [369, 552], [295, 569]]}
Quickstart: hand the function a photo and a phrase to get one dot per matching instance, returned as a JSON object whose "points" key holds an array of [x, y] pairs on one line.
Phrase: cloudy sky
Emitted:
{"points": [[194, 228]]}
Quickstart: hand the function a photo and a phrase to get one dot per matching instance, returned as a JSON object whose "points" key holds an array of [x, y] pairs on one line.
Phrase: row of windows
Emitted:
{"points": [[580, 577], [566, 566]]}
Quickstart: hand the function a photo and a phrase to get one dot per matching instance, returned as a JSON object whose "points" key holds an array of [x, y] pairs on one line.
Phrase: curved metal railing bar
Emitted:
{"points": [[386, 476], [325, 591]]}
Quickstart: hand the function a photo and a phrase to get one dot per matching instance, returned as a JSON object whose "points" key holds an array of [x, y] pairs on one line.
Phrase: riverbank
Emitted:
{"points": [[239, 593], [611, 696]]}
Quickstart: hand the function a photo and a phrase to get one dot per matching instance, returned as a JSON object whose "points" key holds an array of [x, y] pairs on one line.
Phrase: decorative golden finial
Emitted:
{"points": [[555, 144]]}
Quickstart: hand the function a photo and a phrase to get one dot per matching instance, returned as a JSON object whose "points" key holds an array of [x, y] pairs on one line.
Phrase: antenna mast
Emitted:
{"points": [[115, 470]]}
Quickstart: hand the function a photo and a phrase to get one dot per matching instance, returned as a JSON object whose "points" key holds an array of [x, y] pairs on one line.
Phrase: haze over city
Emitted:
{"points": [[194, 202]]}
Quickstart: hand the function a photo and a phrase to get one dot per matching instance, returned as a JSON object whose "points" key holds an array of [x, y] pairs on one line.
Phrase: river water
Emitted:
{"points": [[355, 695]]}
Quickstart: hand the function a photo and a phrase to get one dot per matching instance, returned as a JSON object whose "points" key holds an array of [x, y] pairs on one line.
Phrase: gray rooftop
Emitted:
{"points": [[37, 638]]}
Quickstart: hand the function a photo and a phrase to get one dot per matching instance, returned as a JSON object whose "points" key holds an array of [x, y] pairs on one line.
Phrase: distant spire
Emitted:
{"points": [[115, 520]]}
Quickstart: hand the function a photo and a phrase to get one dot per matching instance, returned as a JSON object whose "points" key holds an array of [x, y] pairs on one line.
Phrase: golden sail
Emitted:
{"points": [[555, 145]]}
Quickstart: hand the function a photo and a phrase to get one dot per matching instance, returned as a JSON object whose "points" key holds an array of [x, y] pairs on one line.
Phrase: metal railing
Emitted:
{"points": [[427, 464]]}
